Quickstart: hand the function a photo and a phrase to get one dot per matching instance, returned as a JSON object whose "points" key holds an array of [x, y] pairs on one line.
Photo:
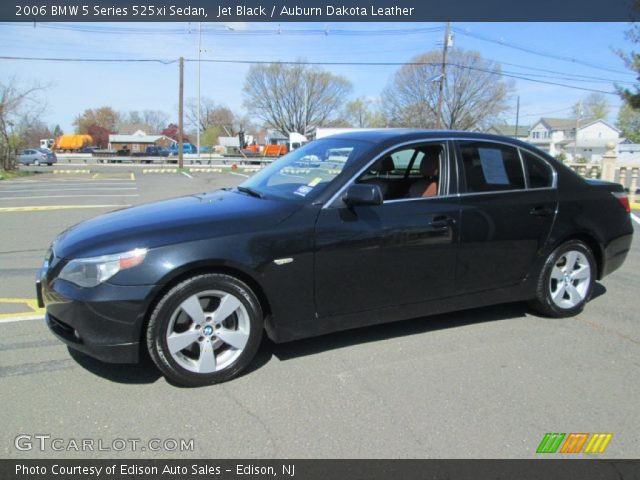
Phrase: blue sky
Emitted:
{"points": [[140, 86]]}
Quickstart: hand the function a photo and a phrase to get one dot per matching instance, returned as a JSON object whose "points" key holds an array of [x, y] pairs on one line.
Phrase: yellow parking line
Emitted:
{"points": [[70, 171], [634, 205], [30, 303], [133, 177], [43, 208]]}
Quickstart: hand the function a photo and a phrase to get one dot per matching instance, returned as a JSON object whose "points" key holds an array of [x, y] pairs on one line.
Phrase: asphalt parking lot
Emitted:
{"points": [[484, 383]]}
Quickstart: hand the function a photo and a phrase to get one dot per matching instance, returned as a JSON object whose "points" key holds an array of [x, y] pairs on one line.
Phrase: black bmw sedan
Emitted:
{"points": [[346, 231]]}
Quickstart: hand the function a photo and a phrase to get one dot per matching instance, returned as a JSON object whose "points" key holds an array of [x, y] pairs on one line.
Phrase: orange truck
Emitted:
{"points": [[72, 143], [275, 150], [255, 150]]}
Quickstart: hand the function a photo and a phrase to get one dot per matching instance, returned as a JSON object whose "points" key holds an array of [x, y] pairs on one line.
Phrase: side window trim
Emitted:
{"points": [[525, 170], [448, 157], [554, 173], [462, 179]]}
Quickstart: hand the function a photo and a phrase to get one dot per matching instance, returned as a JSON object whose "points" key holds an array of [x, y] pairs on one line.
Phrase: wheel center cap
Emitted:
{"points": [[207, 330]]}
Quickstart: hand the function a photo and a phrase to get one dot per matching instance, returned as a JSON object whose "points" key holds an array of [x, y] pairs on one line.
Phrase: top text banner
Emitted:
{"points": [[317, 11]]}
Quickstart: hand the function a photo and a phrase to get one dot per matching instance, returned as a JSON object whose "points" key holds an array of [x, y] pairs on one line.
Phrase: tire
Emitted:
{"points": [[566, 281], [50, 164], [190, 345]]}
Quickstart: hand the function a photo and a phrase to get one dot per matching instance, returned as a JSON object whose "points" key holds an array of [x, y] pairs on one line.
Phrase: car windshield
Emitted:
{"points": [[302, 174]]}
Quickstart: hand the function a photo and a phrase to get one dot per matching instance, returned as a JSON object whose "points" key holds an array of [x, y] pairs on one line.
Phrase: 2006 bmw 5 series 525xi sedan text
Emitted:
{"points": [[343, 232]]}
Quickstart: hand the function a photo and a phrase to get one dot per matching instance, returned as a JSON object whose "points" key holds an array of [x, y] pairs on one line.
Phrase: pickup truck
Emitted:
{"points": [[186, 148], [153, 151]]}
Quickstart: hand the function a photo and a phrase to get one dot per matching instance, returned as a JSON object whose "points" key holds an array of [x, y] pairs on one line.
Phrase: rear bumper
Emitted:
{"points": [[615, 253], [103, 322]]}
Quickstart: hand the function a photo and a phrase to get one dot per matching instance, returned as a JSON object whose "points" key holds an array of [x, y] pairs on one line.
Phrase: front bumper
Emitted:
{"points": [[104, 322]]}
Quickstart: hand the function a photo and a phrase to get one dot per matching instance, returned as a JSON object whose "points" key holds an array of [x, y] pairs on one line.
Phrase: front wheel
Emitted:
{"points": [[566, 281], [205, 330]]}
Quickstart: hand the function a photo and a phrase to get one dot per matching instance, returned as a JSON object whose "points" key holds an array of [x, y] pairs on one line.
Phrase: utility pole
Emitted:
{"points": [[515, 134], [180, 115], [199, 109], [575, 136], [445, 47]]}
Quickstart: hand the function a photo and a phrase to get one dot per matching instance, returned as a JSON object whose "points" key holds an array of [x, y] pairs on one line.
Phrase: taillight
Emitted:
{"points": [[624, 200]]}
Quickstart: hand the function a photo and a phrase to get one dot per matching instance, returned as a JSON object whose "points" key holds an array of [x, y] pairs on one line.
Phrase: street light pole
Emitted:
{"points": [[198, 114], [445, 48]]}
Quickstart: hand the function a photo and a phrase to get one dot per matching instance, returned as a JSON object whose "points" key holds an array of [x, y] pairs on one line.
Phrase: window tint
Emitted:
{"points": [[491, 167], [402, 159], [539, 173]]}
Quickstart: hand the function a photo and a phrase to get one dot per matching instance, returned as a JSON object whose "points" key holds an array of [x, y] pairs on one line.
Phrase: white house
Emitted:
{"points": [[558, 135]]}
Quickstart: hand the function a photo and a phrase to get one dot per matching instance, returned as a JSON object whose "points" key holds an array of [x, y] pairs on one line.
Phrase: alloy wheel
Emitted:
{"points": [[208, 331], [570, 279]]}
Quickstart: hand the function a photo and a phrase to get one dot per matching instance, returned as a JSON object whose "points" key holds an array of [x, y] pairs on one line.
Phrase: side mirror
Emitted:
{"points": [[362, 194]]}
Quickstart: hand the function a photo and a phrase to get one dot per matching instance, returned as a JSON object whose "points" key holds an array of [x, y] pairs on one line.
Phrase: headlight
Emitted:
{"points": [[90, 272]]}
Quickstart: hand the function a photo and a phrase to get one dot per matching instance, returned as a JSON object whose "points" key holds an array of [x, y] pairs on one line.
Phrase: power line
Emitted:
{"points": [[537, 52], [225, 30], [96, 60], [266, 62]]}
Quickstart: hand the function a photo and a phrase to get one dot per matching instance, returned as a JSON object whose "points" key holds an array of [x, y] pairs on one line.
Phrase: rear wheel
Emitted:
{"points": [[566, 281], [205, 330]]}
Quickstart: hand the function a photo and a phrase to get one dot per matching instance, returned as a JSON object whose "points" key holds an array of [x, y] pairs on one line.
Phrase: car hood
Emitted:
{"points": [[183, 219]]}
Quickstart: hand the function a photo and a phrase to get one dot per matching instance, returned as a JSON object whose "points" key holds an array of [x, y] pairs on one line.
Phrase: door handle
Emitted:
{"points": [[441, 221], [541, 211]]}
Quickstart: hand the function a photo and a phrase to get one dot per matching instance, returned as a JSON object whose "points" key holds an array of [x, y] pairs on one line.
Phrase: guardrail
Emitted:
{"points": [[625, 175], [189, 159]]}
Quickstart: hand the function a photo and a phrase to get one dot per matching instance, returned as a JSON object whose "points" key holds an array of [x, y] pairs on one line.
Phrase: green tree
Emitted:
{"points": [[629, 122], [632, 60], [210, 136]]}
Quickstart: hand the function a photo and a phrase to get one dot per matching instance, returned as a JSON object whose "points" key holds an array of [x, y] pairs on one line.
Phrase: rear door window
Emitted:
{"points": [[539, 173], [490, 167]]}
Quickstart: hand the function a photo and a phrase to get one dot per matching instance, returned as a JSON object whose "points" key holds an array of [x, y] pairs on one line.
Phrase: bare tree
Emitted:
{"points": [[31, 130], [474, 92], [212, 115], [363, 113], [595, 106], [16, 104], [105, 117], [149, 121], [357, 112], [294, 98]]}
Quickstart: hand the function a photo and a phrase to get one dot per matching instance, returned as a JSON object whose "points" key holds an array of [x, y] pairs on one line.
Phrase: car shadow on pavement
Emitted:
{"points": [[403, 328], [146, 371], [136, 373], [375, 333]]}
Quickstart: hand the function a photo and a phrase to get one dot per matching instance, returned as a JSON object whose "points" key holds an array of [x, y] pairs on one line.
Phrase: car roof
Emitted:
{"points": [[391, 136]]}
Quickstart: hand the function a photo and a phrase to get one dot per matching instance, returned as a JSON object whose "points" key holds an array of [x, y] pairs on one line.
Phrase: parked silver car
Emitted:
{"points": [[37, 156]]}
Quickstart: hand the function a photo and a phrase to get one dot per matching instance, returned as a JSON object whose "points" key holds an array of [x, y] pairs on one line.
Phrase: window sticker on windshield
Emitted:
{"points": [[303, 190], [315, 181], [493, 166]]}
